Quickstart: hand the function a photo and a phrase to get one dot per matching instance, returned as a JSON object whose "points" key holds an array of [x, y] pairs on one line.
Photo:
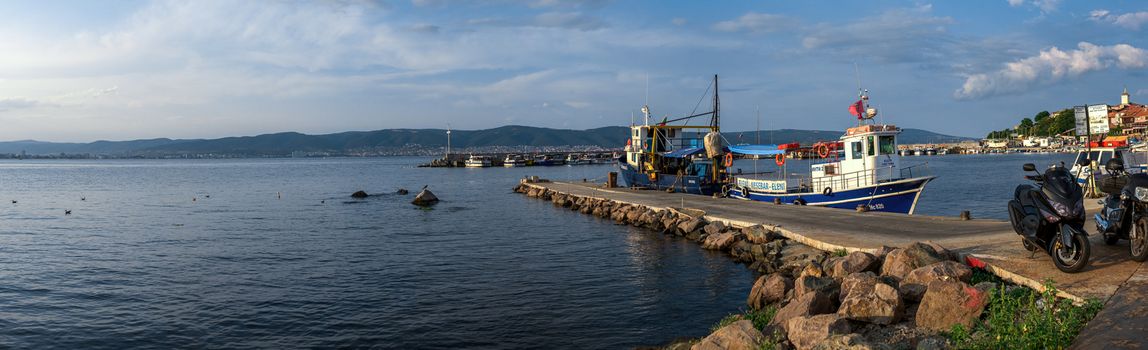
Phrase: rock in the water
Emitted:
{"points": [[425, 198], [813, 303], [869, 300], [692, 226], [853, 263], [915, 283], [740, 335], [900, 262], [769, 290], [948, 303], [359, 194], [805, 332], [403, 191]]}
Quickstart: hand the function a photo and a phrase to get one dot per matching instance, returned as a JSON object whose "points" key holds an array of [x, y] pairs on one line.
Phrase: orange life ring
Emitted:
{"points": [[779, 159], [823, 150], [728, 160]]}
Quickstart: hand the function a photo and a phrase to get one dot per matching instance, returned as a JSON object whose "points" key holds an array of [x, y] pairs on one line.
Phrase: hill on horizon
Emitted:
{"points": [[285, 143]]}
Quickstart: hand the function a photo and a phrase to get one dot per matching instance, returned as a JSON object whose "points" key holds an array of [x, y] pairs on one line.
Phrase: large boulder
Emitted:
{"points": [[914, 284], [854, 262], [808, 284], [795, 257], [867, 299], [719, 241], [769, 289], [948, 303], [805, 332], [814, 303], [715, 227], [692, 225], [758, 234], [425, 198], [740, 335], [360, 194], [900, 262], [852, 341]]}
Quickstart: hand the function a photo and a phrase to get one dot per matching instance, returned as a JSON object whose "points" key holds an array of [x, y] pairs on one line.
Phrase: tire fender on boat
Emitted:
{"points": [[828, 191], [799, 201]]}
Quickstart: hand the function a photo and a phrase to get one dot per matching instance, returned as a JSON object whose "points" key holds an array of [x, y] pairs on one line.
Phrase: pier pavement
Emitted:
{"points": [[1111, 276]]}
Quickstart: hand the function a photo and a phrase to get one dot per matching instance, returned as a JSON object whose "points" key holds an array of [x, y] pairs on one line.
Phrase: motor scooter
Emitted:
{"points": [[1049, 216]]}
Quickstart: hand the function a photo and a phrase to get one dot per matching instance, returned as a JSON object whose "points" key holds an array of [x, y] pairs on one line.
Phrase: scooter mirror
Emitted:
{"points": [[1029, 167]]}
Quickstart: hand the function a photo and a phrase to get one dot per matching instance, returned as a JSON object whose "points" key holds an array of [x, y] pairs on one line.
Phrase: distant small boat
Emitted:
{"points": [[572, 159], [513, 161], [478, 161], [548, 160]]}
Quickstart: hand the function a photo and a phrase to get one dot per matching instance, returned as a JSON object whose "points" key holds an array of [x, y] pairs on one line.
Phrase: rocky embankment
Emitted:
{"points": [[893, 298]]}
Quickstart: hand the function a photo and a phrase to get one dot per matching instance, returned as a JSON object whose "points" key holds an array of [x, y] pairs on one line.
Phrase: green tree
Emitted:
{"points": [[1040, 116], [1064, 120]]}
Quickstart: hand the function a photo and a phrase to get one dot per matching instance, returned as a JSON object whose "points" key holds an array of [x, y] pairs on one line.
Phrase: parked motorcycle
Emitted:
{"points": [[1049, 216], [1125, 211]]}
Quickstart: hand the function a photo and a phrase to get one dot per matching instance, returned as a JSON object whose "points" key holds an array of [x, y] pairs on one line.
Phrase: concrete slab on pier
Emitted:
{"points": [[991, 241]]}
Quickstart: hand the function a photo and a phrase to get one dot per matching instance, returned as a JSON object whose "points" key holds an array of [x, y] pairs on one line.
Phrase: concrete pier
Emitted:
{"points": [[1110, 277]]}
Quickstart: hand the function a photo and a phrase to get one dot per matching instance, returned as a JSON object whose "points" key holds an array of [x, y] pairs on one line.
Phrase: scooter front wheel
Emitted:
{"points": [[1071, 259], [1138, 238]]}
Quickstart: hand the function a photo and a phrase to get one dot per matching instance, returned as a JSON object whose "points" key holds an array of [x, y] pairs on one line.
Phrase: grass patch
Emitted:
{"points": [[840, 252], [982, 275], [762, 317], [725, 321], [1022, 318]]}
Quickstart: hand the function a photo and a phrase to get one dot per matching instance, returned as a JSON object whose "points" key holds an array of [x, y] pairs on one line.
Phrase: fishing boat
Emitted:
{"points": [[549, 160], [514, 161], [476, 161], [868, 175], [573, 159], [679, 157]]}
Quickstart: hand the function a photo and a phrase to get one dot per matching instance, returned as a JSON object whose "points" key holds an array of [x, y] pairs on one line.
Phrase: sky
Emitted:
{"points": [[117, 70]]}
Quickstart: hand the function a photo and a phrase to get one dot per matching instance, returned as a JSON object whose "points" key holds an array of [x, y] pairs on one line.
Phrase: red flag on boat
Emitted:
{"points": [[857, 109]]}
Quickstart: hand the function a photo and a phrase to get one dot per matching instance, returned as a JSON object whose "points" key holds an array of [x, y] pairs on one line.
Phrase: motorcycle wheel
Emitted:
{"points": [[1071, 259], [1139, 240]]}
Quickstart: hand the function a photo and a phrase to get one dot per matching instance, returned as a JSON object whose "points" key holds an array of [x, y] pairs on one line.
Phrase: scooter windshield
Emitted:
{"points": [[1060, 186]]}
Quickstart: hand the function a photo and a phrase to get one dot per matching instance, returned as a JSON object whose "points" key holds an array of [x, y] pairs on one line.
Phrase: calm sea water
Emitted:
{"points": [[274, 253]]}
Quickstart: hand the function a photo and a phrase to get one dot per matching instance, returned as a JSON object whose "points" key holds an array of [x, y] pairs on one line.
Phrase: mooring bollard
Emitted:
{"points": [[612, 179], [965, 215], [776, 200]]}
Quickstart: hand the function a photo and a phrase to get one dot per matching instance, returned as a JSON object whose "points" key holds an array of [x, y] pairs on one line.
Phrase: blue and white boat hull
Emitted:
{"points": [[898, 196]]}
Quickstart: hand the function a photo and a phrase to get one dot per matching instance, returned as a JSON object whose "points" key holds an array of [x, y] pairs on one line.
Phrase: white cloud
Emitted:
{"points": [[8, 104], [1049, 66], [755, 22], [1131, 20], [896, 36], [1043, 5], [678, 21]]}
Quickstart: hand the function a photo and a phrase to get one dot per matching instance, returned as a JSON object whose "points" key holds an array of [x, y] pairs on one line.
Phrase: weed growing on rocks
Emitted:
{"points": [[725, 321], [840, 252], [1021, 318]]}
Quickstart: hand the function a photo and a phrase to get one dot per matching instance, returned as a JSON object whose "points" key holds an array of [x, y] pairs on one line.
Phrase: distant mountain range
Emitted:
{"points": [[402, 141]]}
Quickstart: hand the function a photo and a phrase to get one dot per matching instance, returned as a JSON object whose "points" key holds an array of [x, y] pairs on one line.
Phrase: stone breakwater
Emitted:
{"points": [[893, 298]]}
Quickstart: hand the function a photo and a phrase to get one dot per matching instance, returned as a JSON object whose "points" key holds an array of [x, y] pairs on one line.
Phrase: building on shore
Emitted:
{"points": [[1131, 118]]}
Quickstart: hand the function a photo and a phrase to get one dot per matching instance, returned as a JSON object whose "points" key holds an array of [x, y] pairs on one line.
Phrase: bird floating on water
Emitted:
{"points": [[67, 212]]}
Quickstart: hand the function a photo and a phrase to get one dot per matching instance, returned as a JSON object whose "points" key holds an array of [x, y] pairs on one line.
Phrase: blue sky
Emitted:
{"points": [[86, 70]]}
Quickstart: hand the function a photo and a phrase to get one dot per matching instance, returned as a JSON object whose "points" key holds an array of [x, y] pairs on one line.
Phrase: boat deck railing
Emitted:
{"points": [[850, 180]]}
